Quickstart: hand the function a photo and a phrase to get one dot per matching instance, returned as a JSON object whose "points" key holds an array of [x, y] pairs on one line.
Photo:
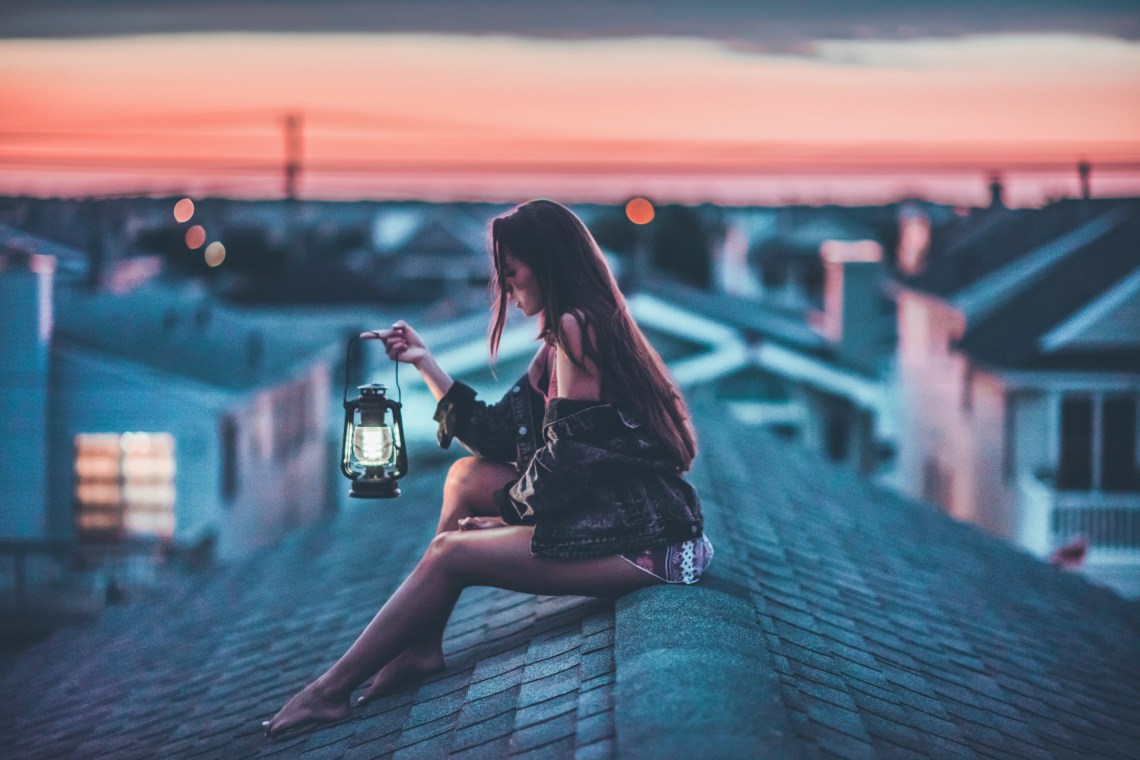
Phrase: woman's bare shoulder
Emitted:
{"points": [[577, 375], [570, 329]]}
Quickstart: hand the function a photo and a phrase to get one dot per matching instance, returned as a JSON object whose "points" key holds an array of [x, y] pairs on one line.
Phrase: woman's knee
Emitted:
{"points": [[461, 479], [445, 551]]}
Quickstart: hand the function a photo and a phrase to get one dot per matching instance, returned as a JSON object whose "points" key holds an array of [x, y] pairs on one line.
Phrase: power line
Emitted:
{"points": [[794, 165]]}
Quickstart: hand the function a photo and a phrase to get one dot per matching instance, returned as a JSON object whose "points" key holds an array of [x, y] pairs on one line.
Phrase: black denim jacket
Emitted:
{"points": [[593, 481]]}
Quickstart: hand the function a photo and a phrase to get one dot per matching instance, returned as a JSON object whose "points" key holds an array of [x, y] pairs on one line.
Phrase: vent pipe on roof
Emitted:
{"points": [[1083, 171]]}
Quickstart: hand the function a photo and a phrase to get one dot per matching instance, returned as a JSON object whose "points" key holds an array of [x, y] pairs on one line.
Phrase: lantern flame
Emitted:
{"points": [[372, 446]]}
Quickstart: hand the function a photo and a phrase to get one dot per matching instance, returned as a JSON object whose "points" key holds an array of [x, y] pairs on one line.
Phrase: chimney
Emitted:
{"points": [[997, 191], [852, 300], [1083, 171], [914, 239]]}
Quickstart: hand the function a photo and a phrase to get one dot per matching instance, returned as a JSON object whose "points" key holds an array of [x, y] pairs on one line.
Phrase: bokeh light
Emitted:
{"points": [[215, 254], [195, 237], [183, 210], [640, 211]]}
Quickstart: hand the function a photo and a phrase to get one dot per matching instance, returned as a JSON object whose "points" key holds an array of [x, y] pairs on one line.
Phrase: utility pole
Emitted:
{"points": [[292, 153], [295, 252]]}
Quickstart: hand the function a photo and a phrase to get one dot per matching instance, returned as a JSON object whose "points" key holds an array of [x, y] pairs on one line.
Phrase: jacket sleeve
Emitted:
{"points": [[558, 474], [484, 429]]}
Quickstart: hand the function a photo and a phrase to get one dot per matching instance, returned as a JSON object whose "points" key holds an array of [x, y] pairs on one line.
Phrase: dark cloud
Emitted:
{"points": [[775, 26]]}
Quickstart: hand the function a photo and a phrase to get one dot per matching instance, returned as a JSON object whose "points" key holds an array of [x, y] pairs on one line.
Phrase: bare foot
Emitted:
{"points": [[409, 665], [310, 705]]}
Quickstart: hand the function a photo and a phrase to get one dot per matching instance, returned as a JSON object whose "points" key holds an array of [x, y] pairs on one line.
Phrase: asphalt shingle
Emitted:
{"points": [[837, 620]]}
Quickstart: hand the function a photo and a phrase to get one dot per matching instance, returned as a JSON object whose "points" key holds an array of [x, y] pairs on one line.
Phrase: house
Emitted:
{"points": [[1019, 378], [154, 412]]}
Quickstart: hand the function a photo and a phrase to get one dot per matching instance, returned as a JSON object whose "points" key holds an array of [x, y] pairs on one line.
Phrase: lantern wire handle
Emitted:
{"points": [[347, 359]]}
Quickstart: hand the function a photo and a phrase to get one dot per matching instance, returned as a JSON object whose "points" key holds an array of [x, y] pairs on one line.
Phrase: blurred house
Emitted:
{"points": [[1019, 377], [801, 293], [153, 412], [773, 254], [775, 371]]}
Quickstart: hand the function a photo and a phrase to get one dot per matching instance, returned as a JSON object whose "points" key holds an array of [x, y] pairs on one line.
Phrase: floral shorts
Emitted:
{"points": [[675, 563]]}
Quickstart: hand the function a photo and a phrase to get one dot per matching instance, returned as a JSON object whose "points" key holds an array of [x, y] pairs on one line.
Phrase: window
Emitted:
{"points": [[124, 485], [1098, 443], [838, 437], [936, 485]]}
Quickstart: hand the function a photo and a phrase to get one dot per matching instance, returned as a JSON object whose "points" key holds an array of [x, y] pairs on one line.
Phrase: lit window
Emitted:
{"points": [[124, 485]]}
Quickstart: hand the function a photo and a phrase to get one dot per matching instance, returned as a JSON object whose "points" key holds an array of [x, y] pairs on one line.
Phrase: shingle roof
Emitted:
{"points": [[965, 250], [1008, 333], [182, 330], [836, 620]]}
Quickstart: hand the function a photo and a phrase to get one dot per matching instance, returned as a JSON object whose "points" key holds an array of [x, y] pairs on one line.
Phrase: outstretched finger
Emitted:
{"points": [[375, 334]]}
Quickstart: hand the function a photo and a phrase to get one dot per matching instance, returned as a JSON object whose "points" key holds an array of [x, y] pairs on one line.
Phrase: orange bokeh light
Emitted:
{"points": [[640, 211], [195, 237], [183, 210]]}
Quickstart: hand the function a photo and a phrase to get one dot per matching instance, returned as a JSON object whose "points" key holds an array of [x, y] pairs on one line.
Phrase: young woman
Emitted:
{"points": [[576, 484]]}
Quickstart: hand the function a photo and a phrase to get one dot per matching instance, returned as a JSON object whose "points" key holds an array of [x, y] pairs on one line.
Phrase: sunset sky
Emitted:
{"points": [[437, 101]]}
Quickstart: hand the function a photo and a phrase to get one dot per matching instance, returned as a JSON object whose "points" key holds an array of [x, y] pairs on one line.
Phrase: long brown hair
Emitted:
{"points": [[574, 278]]}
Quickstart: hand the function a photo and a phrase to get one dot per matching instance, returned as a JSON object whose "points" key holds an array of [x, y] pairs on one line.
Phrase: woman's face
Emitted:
{"points": [[521, 285]]}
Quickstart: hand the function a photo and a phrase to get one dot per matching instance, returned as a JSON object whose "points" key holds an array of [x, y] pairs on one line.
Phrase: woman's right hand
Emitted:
{"points": [[401, 342]]}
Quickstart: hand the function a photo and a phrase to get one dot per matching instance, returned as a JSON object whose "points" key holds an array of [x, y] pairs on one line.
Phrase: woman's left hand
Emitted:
{"points": [[481, 523]]}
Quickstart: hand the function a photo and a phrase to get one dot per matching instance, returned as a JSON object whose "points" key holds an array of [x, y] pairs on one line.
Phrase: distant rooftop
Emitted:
{"points": [[837, 620], [178, 329]]}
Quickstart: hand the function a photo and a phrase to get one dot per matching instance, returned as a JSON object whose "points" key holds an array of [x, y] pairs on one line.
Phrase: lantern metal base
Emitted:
{"points": [[374, 489]]}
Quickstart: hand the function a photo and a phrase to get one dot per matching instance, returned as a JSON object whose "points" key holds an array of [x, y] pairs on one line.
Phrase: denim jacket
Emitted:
{"points": [[592, 480]]}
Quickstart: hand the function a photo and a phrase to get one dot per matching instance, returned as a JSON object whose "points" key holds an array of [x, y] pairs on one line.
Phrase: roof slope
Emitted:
{"points": [[836, 620], [896, 631], [1009, 334], [195, 675], [966, 250], [181, 330]]}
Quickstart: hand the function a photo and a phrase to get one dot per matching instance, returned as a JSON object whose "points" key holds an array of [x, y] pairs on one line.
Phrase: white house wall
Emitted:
{"points": [[930, 391], [991, 498], [92, 395], [276, 492]]}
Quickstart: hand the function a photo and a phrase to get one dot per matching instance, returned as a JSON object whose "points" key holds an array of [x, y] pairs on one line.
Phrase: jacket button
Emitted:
{"points": [[694, 528], [522, 430], [516, 389]]}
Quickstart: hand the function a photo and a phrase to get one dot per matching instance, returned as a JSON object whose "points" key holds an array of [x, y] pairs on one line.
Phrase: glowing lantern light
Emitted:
{"points": [[639, 211], [183, 210], [373, 456]]}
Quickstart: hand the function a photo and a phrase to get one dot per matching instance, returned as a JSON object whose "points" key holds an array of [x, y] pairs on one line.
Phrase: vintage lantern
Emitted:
{"points": [[373, 456]]}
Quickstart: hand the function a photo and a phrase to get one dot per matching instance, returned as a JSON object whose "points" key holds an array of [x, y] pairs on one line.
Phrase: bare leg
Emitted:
{"points": [[497, 557], [467, 492]]}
